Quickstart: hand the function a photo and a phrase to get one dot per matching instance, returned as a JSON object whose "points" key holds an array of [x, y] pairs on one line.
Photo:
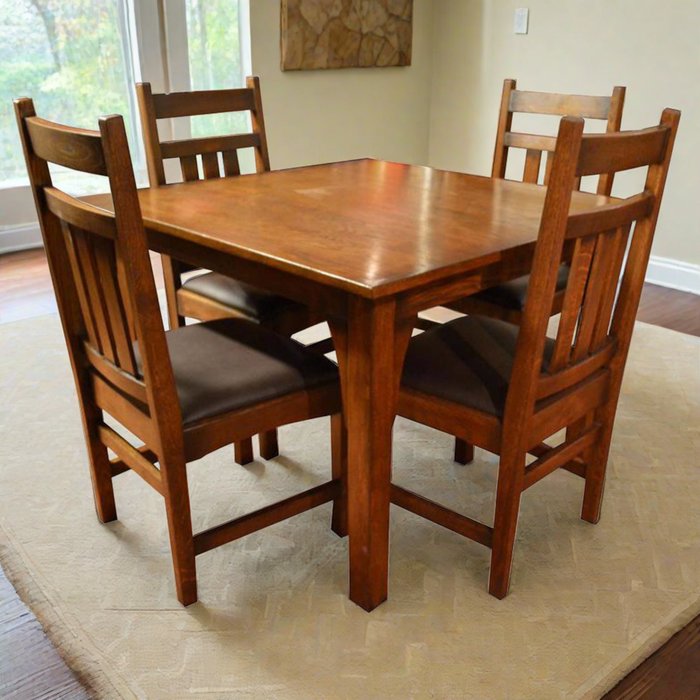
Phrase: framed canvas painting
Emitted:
{"points": [[346, 33]]}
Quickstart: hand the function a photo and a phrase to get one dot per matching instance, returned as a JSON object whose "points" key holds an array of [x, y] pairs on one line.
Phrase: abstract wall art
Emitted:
{"points": [[346, 33]]}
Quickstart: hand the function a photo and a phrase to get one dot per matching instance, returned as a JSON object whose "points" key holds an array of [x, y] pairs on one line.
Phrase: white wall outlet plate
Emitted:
{"points": [[521, 20]]}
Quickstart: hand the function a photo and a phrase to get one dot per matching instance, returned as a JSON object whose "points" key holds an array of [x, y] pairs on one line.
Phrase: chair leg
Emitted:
{"points": [[464, 452], [339, 449], [177, 506], [101, 474], [171, 277], [269, 448], [243, 450], [595, 473], [508, 494]]}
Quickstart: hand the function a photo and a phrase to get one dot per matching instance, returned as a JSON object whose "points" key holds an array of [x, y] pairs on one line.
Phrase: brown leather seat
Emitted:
{"points": [[467, 361], [512, 294], [224, 365], [256, 304]]}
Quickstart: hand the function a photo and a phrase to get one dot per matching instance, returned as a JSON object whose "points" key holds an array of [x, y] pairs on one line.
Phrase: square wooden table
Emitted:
{"points": [[368, 244]]}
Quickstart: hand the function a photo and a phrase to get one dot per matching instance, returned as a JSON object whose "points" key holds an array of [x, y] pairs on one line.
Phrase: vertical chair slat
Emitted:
{"points": [[575, 289], [93, 288], [231, 165], [117, 316], [548, 167], [617, 255], [123, 287], [597, 279], [190, 171], [533, 160], [210, 165], [81, 288]]}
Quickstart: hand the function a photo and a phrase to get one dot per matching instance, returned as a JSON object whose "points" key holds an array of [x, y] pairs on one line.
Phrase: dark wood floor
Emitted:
{"points": [[672, 673]]}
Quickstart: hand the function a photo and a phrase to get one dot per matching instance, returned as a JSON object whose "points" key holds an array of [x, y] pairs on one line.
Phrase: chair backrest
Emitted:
{"points": [[597, 318], [608, 109], [101, 272], [188, 104]]}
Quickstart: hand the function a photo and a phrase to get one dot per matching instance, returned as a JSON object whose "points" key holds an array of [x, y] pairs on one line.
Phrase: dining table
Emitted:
{"points": [[367, 244]]}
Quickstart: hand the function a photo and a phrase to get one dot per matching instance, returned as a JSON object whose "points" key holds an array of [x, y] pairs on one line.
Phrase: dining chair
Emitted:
{"points": [[210, 295], [184, 393], [507, 388], [506, 301]]}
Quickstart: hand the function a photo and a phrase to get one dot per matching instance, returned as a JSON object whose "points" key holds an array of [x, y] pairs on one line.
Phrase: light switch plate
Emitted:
{"points": [[521, 20]]}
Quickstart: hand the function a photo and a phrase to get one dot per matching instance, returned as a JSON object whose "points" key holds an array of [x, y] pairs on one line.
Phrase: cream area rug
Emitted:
{"points": [[587, 603]]}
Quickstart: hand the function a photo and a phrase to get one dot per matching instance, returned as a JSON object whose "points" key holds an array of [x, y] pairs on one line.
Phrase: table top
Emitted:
{"points": [[370, 227]]}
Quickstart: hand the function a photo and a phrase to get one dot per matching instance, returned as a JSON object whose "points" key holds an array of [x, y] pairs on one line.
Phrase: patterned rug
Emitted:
{"points": [[587, 603]]}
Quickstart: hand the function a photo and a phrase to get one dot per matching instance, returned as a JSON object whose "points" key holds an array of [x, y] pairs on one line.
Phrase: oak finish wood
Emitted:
{"points": [[367, 245], [537, 147], [579, 387], [107, 301]]}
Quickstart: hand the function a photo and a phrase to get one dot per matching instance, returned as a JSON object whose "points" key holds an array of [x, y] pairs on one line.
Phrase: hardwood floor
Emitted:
{"points": [[671, 673], [679, 311], [30, 669]]}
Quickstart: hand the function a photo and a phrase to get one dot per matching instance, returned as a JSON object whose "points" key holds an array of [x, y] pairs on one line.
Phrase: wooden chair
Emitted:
{"points": [[212, 296], [508, 388], [506, 301], [159, 385]]}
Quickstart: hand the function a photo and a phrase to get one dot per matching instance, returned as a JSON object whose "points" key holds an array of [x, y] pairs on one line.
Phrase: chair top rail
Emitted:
{"points": [[614, 152], [77, 149], [586, 106], [190, 104]]}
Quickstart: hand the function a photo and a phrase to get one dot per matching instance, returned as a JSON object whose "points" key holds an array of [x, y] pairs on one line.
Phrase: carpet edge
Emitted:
{"points": [[86, 664]]}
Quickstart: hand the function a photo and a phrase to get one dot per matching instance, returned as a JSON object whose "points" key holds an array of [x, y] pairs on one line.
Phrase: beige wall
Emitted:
{"points": [[584, 46], [327, 115]]}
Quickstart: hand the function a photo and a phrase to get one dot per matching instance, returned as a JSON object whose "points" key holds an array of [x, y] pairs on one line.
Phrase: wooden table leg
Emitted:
{"points": [[371, 347]]}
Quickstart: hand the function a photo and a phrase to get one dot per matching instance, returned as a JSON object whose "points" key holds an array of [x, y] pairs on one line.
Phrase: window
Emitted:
{"points": [[73, 58], [79, 59], [216, 58]]}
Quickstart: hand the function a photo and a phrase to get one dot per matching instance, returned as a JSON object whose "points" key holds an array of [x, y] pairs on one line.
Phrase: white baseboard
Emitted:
{"points": [[15, 238], [675, 274]]}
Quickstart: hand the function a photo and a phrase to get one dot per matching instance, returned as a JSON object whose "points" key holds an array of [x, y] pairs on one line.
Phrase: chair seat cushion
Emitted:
{"points": [[229, 364], [512, 294], [256, 304], [467, 361]]}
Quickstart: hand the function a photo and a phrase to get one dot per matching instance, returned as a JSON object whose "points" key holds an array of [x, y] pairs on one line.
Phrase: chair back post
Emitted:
{"points": [[52, 234], [133, 256], [638, 258], [262, 155], [520, 402], [149, 126], [617, 104], [505, 124]]}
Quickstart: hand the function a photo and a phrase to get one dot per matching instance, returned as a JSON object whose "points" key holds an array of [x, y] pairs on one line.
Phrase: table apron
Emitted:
{"points": [[510, 266], [330, 301], [327, 300]]}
